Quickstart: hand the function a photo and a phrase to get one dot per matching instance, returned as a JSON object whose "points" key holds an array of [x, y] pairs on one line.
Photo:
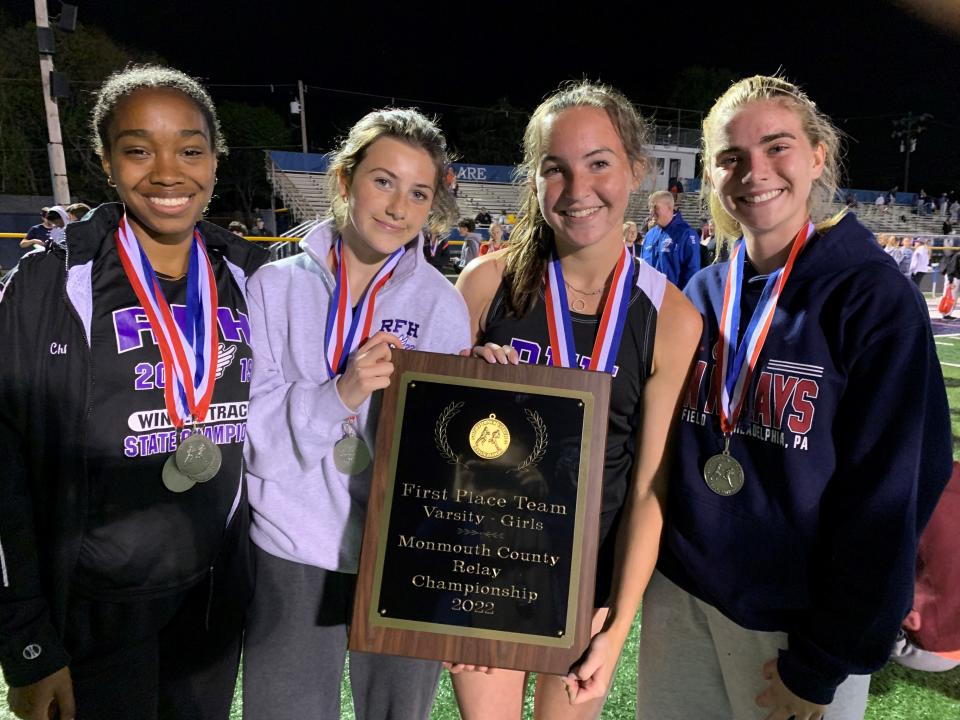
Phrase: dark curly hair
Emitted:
{"points": [[136, 77]]}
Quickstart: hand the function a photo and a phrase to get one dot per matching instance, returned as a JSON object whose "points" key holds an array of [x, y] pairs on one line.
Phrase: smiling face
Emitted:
{"points": [[764, 169], [161, 158], [388, 196], [584, 177], [662, 211]]}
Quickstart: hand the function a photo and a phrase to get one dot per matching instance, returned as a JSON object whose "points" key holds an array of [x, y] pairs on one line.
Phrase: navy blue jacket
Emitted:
{"points": [[846, 446], [674, 250]]}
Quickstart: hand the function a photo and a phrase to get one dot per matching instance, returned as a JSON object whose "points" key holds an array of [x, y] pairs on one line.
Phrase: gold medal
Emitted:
{"points": [[489, 438]]}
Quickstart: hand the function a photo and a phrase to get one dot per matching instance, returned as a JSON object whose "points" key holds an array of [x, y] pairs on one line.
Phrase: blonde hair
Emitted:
{"points": [[816, 126], [532, 239], [659, 195], [407, 125]]}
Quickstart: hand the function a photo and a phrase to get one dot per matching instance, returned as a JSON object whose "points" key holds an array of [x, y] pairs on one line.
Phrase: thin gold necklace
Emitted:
{"points": [[579, 304], [169, 277]]}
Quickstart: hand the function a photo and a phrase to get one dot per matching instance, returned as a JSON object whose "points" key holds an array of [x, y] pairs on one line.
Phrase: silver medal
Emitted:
{"points": [[351, 455], [198, 456], [173, 479], [214, 467], [722, 472]]}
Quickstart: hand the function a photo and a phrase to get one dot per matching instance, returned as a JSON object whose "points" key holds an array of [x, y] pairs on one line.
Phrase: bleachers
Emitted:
{"points": [[304, 194]]}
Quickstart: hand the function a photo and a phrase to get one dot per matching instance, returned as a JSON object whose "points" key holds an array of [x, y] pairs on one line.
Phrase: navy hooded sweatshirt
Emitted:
{"points": [[845, 443]]}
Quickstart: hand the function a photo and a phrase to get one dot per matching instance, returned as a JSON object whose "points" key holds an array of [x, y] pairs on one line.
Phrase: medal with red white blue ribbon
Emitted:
{"points": [[436, 245], [189, 353], [612, 319], [347, 329], [738, 358]]}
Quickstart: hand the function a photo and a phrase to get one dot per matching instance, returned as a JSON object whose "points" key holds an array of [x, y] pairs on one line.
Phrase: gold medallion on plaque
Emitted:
{"points": [[489, 438]]}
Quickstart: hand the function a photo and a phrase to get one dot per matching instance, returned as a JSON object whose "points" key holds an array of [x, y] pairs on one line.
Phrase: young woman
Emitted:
{"points": [[583, 156], [630, 237], [496, 239], [324, 323], [813, 443], [123, 372]]}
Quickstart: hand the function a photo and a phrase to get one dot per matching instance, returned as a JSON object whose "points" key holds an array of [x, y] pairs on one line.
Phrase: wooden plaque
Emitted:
{"points": [[481, 533]]}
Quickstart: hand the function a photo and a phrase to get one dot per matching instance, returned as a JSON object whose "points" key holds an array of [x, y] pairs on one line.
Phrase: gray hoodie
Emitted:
{"points": [[304, 509]]}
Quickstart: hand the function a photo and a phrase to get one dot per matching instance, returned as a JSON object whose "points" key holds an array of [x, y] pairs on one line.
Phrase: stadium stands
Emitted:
{"points": [[304, 194]]}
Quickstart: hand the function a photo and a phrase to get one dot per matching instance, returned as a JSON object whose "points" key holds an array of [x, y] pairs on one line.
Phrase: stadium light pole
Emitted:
{"points": [[303, 116], [907, 129], [58, 164]]}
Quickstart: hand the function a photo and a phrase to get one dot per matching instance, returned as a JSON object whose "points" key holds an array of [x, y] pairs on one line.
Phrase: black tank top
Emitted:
{"points": [[529, 336]]}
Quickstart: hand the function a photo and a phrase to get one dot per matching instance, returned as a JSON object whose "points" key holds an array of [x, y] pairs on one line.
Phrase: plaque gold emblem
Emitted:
{"points": [[489, 438]]}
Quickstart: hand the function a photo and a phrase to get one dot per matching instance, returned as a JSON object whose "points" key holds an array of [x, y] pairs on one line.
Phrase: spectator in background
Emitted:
{"points": [[630, 236], [881, 201], [946, 228], [77, 211], [436, 248], [903, 255], [259, 229], [708, 244], [950, 269], [483, 217], [471, 241], [676, 189], [237, 228], [502, 217], [59, 218], [943, 204], [496, 241], [451, 179], [38, 235], [919, 261], [671, 245]]}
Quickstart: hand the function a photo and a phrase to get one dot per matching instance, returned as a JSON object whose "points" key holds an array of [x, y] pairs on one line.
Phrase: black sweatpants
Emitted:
{"points": [[153, 659]]}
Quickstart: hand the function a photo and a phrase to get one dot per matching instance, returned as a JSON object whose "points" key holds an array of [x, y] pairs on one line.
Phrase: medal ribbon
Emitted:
{"points": [[739, 358], [346, 329], [189, 353], [435, 245], [610, 330]]}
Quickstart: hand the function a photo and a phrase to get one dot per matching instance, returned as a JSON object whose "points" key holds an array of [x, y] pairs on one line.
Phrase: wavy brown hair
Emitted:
{"points": [[532, 239], [407, 125]]}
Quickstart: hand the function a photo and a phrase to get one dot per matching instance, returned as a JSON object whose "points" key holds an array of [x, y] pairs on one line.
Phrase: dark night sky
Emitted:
{"points": [[858, 60]]}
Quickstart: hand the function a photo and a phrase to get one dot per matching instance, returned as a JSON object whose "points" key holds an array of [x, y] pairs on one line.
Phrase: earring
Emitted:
{"points": [[110, 181]]}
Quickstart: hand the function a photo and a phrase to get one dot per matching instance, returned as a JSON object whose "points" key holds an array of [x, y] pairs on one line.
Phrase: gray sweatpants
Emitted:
{"points": [[296, 644], [697, 663]]}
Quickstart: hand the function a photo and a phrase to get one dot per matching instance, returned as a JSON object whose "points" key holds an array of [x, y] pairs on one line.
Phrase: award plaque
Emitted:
{"points": [[481, 532]]}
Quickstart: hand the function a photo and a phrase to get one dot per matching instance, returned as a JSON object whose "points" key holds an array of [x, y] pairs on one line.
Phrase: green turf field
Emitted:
{"points": [[895, 692]]}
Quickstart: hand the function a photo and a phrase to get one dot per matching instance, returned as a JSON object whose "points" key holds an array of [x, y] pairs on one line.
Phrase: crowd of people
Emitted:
{"points": [[187, 430]]}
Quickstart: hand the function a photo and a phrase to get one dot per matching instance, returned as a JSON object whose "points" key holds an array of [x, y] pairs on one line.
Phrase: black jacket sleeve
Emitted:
{"points": [[30, 647]]}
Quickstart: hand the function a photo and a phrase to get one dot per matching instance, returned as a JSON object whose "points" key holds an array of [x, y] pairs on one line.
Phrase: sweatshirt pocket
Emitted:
{"points": [[752, 566]]}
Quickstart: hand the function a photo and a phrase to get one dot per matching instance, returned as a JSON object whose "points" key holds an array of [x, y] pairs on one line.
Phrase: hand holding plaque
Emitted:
{"points": [[481, 531]]}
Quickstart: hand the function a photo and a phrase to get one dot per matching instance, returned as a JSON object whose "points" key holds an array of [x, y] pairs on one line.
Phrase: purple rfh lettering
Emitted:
{"points": [[233, 327]]}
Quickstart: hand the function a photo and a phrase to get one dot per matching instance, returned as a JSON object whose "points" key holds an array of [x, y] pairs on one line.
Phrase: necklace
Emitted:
{"points": [[169, 277], [579, 304]]}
